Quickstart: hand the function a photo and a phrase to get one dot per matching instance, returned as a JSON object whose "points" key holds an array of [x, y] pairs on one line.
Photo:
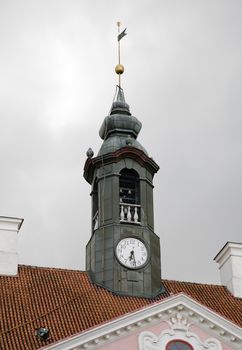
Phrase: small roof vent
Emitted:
{"points": [[43, 333]]}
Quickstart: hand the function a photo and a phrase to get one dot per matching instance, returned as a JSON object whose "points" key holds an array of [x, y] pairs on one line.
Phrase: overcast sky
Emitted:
{"points": [[183, 81]]}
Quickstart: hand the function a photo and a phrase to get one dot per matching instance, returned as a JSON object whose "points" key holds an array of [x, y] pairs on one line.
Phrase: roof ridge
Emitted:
{"points": [[51, 268], [85, 272], [189, 282]]}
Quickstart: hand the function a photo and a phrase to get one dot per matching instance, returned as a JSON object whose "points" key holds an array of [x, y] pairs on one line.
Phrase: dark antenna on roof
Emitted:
{"points": [[42, 333]]}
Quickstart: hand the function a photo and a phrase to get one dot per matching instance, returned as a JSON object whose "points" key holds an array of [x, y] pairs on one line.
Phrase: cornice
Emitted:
{"points": [[114, 157], [230, 249], [10, 223]]}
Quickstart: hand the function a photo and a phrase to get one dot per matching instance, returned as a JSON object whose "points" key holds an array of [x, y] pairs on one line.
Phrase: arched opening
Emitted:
{"points": [[129, 191], [178, 345]]}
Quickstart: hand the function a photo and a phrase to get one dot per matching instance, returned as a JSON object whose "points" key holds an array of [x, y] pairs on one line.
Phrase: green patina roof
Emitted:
{"points": [[119, 128]]}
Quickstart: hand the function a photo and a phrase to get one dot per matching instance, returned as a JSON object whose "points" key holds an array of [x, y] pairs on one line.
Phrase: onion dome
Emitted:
{"points": [[120, 128]]}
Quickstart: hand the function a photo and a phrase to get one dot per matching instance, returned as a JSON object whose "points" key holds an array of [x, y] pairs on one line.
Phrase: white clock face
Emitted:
{"points": [[131, 252]]}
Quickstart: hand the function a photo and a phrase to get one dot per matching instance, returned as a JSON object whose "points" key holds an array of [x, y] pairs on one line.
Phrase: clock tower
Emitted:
{"points": [[123, 253]]}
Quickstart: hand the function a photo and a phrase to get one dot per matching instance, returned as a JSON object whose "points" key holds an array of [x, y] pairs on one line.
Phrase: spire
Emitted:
{"points": [[119, 69], [119, 105], [120, 128], [120, 95]]}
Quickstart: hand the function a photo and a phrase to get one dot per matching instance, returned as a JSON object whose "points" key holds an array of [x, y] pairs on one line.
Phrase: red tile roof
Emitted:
{"points": [[66, 303]]}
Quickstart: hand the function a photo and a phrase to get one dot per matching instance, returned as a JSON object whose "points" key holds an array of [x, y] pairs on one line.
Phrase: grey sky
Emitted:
{"points": [[183, 81]]}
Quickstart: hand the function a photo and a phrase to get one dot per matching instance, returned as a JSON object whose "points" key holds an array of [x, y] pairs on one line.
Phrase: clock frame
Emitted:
{"points": [[132, 252]]}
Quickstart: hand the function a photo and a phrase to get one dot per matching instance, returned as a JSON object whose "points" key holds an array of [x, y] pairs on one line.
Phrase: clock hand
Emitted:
{"points": [[134, 261], [131, 257]]}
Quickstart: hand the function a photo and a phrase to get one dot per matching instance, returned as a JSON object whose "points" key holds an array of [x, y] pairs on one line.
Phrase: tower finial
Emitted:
{"points": [[119, 69]]}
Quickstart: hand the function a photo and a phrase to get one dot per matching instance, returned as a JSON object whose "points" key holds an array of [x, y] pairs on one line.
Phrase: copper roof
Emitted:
{"points": [[67, 303]]}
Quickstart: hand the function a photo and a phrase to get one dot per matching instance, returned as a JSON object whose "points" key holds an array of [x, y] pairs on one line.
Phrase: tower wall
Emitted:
{"points": [[106, 271], [101, 260]]}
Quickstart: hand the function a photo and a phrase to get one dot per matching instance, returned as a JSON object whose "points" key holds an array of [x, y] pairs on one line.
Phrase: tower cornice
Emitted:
{"points": [[113, 157]]}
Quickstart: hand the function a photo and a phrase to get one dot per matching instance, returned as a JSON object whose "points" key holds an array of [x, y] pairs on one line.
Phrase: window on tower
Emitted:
{"points": [[129, 189], [95, 205]]}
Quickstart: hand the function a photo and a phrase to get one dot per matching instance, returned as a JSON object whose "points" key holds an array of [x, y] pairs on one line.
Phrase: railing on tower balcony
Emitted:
{"points": [[95, 221], [130, 213]]}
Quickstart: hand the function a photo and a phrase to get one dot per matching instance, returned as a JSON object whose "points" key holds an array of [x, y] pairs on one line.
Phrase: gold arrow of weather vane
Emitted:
{"points": [[119, 69]]}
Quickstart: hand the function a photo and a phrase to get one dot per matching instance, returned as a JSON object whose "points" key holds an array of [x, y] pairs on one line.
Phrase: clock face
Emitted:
{"points": [[131, 252]]}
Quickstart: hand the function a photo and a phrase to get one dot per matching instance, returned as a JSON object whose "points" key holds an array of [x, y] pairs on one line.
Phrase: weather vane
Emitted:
{"points": [[119, 69]]}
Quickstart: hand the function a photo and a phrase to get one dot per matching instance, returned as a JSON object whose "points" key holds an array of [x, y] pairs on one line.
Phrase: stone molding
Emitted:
{"points": [[179, 329]]}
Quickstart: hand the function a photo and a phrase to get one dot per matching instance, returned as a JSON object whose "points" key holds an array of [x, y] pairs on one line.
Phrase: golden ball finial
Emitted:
{"points": [[119, 69]]}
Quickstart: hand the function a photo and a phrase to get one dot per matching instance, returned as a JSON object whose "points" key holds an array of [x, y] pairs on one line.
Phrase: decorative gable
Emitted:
{"points": [[178, 336], [158, 327]]}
